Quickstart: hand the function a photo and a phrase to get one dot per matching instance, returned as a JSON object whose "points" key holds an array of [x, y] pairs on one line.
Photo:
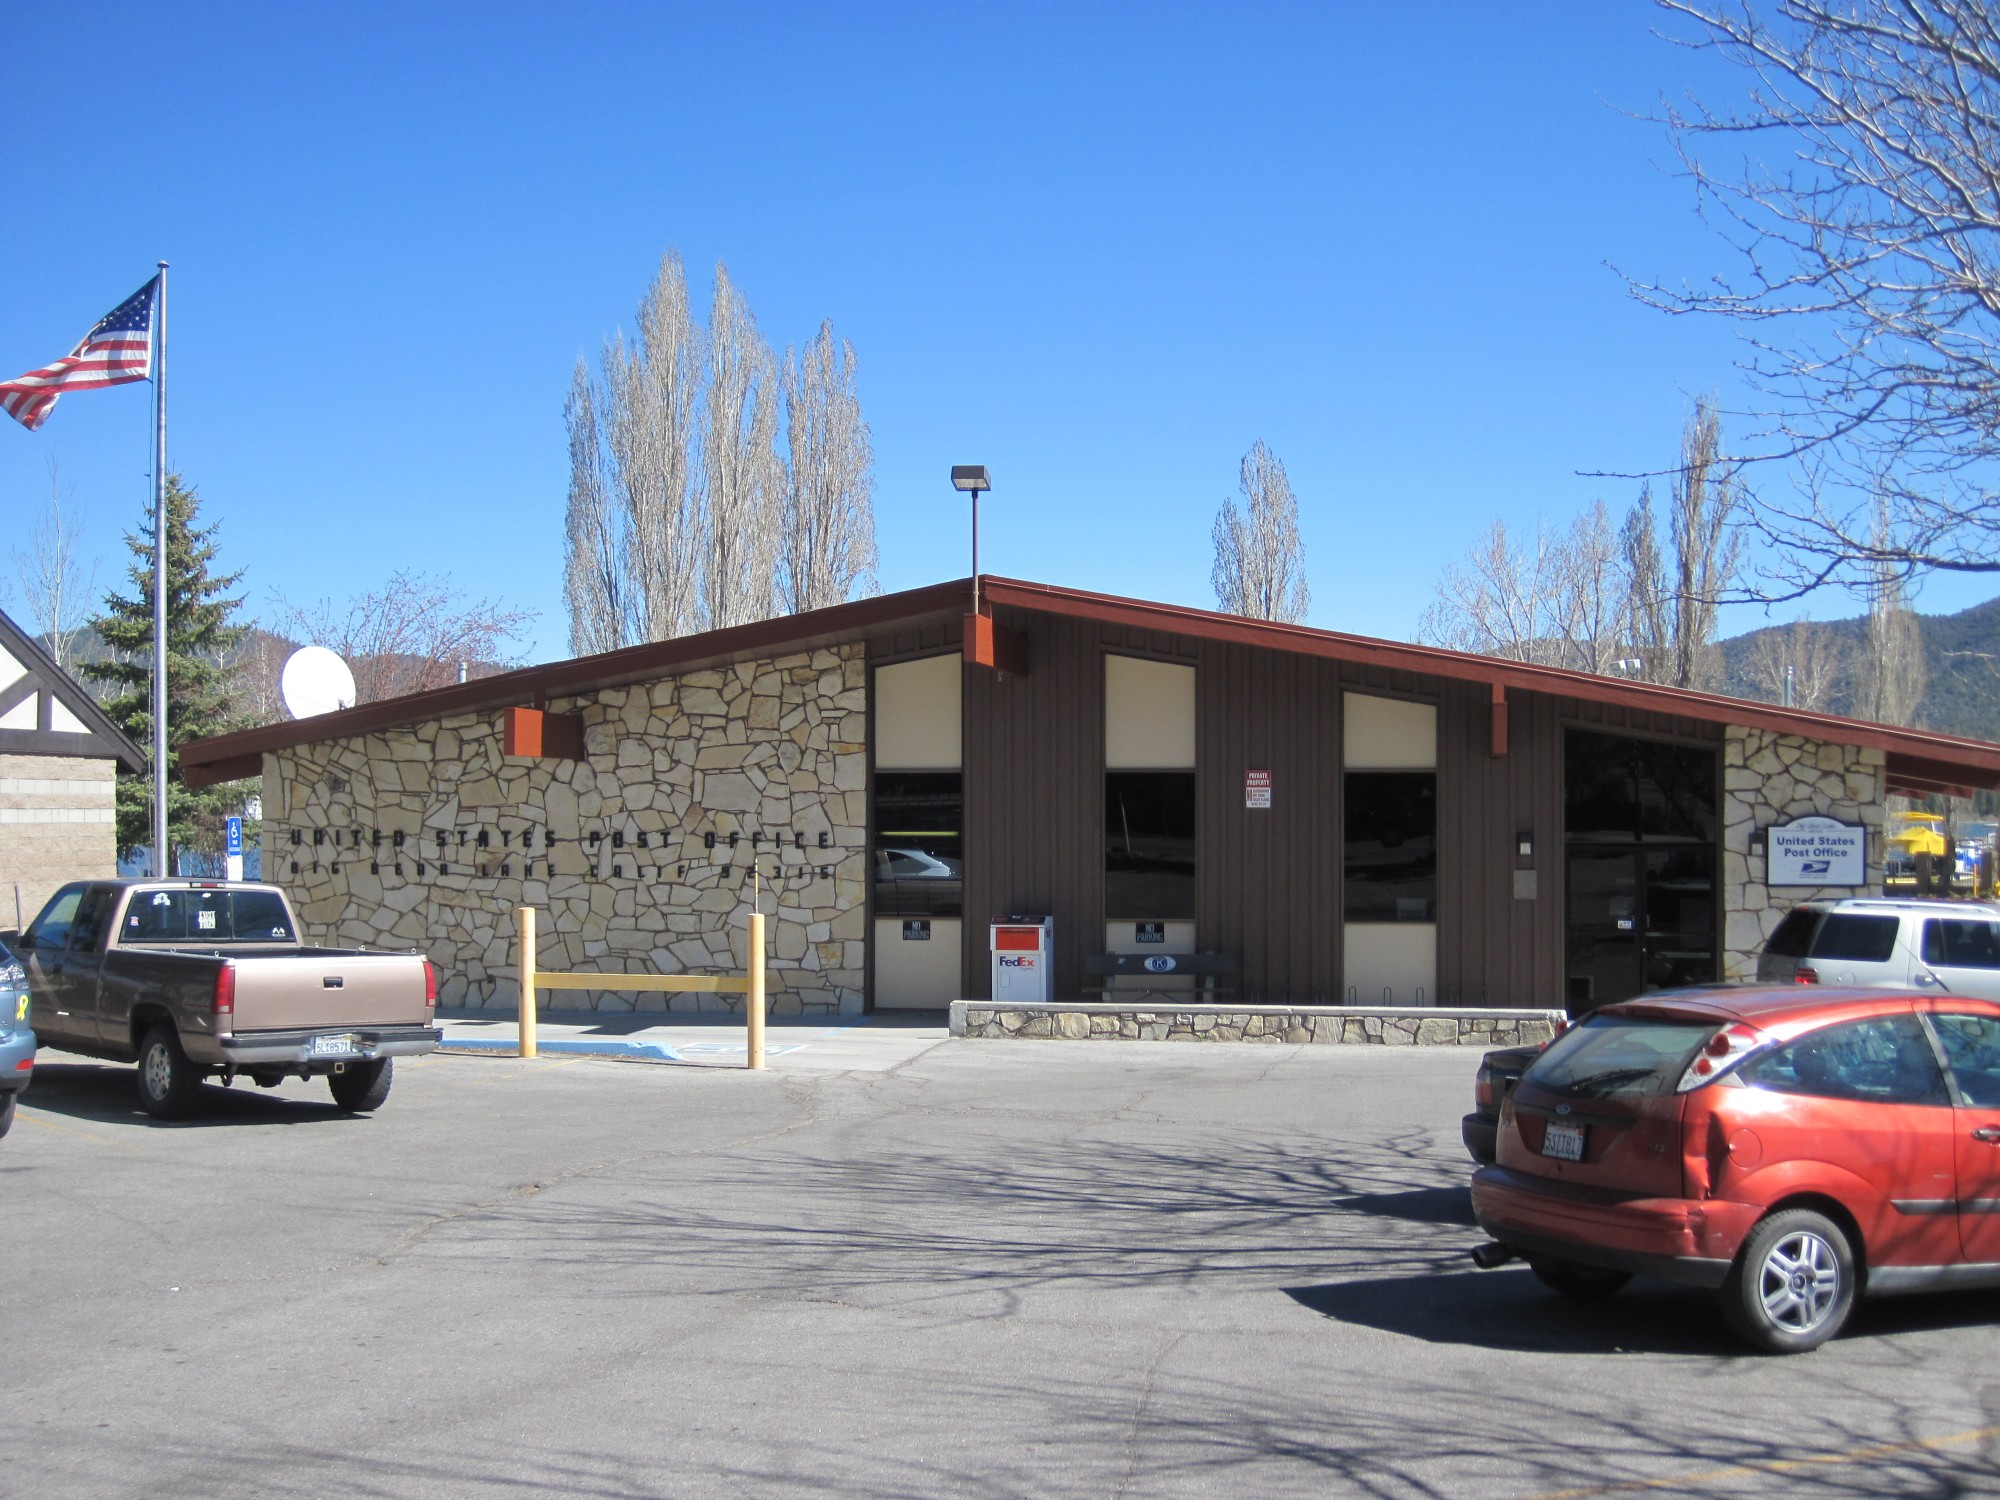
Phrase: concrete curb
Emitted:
{"points": [[635, 1051], [1323, 1025]]}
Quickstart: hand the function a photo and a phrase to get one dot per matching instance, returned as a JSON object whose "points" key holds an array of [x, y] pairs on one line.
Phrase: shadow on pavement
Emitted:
{"points": [[106, 1094], [1431, 1205], [1509, 1309]]}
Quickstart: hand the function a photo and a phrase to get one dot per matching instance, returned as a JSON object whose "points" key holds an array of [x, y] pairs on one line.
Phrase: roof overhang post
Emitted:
{"points": [[1499, 721]]}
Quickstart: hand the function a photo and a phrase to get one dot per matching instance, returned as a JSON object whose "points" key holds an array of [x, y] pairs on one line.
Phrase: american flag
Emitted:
{"points": [[117, 351]]}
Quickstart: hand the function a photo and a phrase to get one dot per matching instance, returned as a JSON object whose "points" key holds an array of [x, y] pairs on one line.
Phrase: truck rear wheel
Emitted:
{"points": [[364, 1086], [7, 1110], [168, 1083]]}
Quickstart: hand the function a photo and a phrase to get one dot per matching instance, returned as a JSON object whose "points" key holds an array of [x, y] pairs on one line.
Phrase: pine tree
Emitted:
{"points": [[201, 692]]}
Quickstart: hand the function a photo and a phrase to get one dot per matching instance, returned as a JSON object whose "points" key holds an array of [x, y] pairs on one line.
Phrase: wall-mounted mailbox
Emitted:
{"points": [[533, 732], [1024, 959]]}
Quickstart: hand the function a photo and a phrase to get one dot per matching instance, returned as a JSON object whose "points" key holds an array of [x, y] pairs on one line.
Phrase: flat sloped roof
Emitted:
{"points": [[1918, 760]]}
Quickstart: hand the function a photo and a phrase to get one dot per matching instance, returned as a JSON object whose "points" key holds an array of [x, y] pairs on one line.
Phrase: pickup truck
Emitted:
{"points": [[198, 978]]}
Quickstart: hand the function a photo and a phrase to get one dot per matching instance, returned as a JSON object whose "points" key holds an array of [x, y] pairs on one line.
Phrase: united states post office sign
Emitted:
{"points": [[1816, 851]]}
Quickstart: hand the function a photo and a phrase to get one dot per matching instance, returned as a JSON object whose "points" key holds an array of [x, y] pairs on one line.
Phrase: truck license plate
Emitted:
{"points": [[1564, 1142], [332, 1046]]}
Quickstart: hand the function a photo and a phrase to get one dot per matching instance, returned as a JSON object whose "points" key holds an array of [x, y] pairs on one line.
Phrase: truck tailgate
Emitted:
{"points": [[331, 990]]}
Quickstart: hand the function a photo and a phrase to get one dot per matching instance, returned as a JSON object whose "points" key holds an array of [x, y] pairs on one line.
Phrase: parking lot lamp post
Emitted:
{"points": [[971, 479]]}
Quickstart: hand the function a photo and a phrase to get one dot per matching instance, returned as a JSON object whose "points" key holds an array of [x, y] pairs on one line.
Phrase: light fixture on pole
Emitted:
{"points": [[971, 479]]}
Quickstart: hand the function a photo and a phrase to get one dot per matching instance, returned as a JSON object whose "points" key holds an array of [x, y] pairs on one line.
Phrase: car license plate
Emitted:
{"points": [[1564, 1142], [331, 1046]]}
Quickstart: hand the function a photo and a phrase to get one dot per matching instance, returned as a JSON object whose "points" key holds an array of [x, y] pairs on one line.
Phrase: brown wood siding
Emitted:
{"points": [[1268, 889], [1034, 796], [1493, 949]]}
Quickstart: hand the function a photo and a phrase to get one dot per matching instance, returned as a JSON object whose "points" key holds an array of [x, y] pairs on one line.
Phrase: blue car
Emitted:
{"points": [[17, 1042]]}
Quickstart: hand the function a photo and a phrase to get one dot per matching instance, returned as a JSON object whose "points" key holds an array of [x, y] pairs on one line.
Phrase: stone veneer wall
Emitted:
{"points": [[58, 823], [768, 757], [1772, 778]]}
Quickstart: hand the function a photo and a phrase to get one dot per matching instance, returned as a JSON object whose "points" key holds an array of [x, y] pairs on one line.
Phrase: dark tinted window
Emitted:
{"points": [[1885, 1061], [1391, 846], [1962, 945], [1615, 788], [1149, 845], [1619, 1055], [205, 916], [92, 912], [1868, 940], [1972, 1045], [919, 850], [1793, 934]]}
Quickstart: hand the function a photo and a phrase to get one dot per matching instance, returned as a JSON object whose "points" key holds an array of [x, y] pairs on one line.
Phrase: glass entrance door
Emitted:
{"points": [[1638, 919]]}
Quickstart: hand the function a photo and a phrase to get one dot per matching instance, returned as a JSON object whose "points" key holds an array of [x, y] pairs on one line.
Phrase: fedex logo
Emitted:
{"points": [[1023, 962]]}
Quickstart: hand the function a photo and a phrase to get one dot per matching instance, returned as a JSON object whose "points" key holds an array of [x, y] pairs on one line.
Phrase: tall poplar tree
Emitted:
{"points": [[202, 694]]}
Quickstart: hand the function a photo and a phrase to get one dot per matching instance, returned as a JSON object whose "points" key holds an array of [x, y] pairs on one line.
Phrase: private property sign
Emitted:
{"points": [[1816, 851], [1256, 788]]}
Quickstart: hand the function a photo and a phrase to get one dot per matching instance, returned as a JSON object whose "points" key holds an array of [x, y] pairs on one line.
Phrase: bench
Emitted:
{"points": [[1214, 974]]}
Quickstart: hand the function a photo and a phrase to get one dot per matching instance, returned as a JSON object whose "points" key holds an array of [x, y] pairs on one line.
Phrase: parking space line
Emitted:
{"points": [[1774, 1466]]}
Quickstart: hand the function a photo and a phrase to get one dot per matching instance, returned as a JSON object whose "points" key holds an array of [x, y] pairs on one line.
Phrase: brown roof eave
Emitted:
{"points": [[1965, 762], [228, 756]]}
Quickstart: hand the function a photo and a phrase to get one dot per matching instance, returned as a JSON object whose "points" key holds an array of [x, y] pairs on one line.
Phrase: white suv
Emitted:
{"points": [[1946, 947]]}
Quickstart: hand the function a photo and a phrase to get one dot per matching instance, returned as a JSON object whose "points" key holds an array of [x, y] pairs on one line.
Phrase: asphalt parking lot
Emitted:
{"points": [[965, 1268]]}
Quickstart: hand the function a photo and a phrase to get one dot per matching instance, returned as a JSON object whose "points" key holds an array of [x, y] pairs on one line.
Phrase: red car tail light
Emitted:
{"points": [[430, 986], [1807, 974], [1720, 1053], [1482, 1090], [225, 990]]}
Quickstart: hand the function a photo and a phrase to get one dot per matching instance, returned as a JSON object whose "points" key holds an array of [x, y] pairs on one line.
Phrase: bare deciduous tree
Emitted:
{"points": [[1894, 676], [828, 542], [1559, 600], [596, 566], [1675, 594], [55, 582], [656, 436], [1870, 287], [413, 633], [1809, 654], [741, 482], [1259, 559]]}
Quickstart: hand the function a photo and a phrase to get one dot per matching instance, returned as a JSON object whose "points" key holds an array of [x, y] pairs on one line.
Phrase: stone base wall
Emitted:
{"points": [[58, 823], [1329, 1025], [1772, 778], [638, 858]]}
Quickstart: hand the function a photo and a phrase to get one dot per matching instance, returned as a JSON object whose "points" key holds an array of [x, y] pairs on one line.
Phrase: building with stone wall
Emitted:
{"points": [[59, 759], [1346, 821]]}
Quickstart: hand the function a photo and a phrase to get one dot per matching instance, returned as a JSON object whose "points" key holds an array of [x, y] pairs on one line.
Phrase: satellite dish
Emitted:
{"points": [[315, 681]]}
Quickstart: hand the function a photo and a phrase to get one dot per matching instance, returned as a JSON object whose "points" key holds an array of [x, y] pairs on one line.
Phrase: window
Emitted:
{"points": [[51, 928], [206, 916], [1794, 934], [919, 851], [92, 913], [1149, 831], [1957, 944], [1886, 1061], [1626, 790], [1390, 854], [1867, 940], [1972, 1046], [1628, 1055]]}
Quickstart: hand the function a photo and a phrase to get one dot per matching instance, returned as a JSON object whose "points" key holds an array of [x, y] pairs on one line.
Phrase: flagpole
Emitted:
{"points": [[162, 854]]}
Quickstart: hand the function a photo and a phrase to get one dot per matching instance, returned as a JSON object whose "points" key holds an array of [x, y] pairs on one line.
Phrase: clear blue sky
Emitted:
{"points": [[1100, 248]]}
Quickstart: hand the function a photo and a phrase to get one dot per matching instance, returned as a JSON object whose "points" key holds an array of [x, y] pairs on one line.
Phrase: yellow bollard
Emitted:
{"points": [[753, 999], [524, 923]]}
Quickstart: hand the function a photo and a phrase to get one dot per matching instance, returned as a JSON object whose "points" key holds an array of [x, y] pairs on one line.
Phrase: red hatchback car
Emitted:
{"points": [[1790, 1150]]}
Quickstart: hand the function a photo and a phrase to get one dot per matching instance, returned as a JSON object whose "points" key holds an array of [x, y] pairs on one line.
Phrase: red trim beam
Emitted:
{"points": [[532, 732]]}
